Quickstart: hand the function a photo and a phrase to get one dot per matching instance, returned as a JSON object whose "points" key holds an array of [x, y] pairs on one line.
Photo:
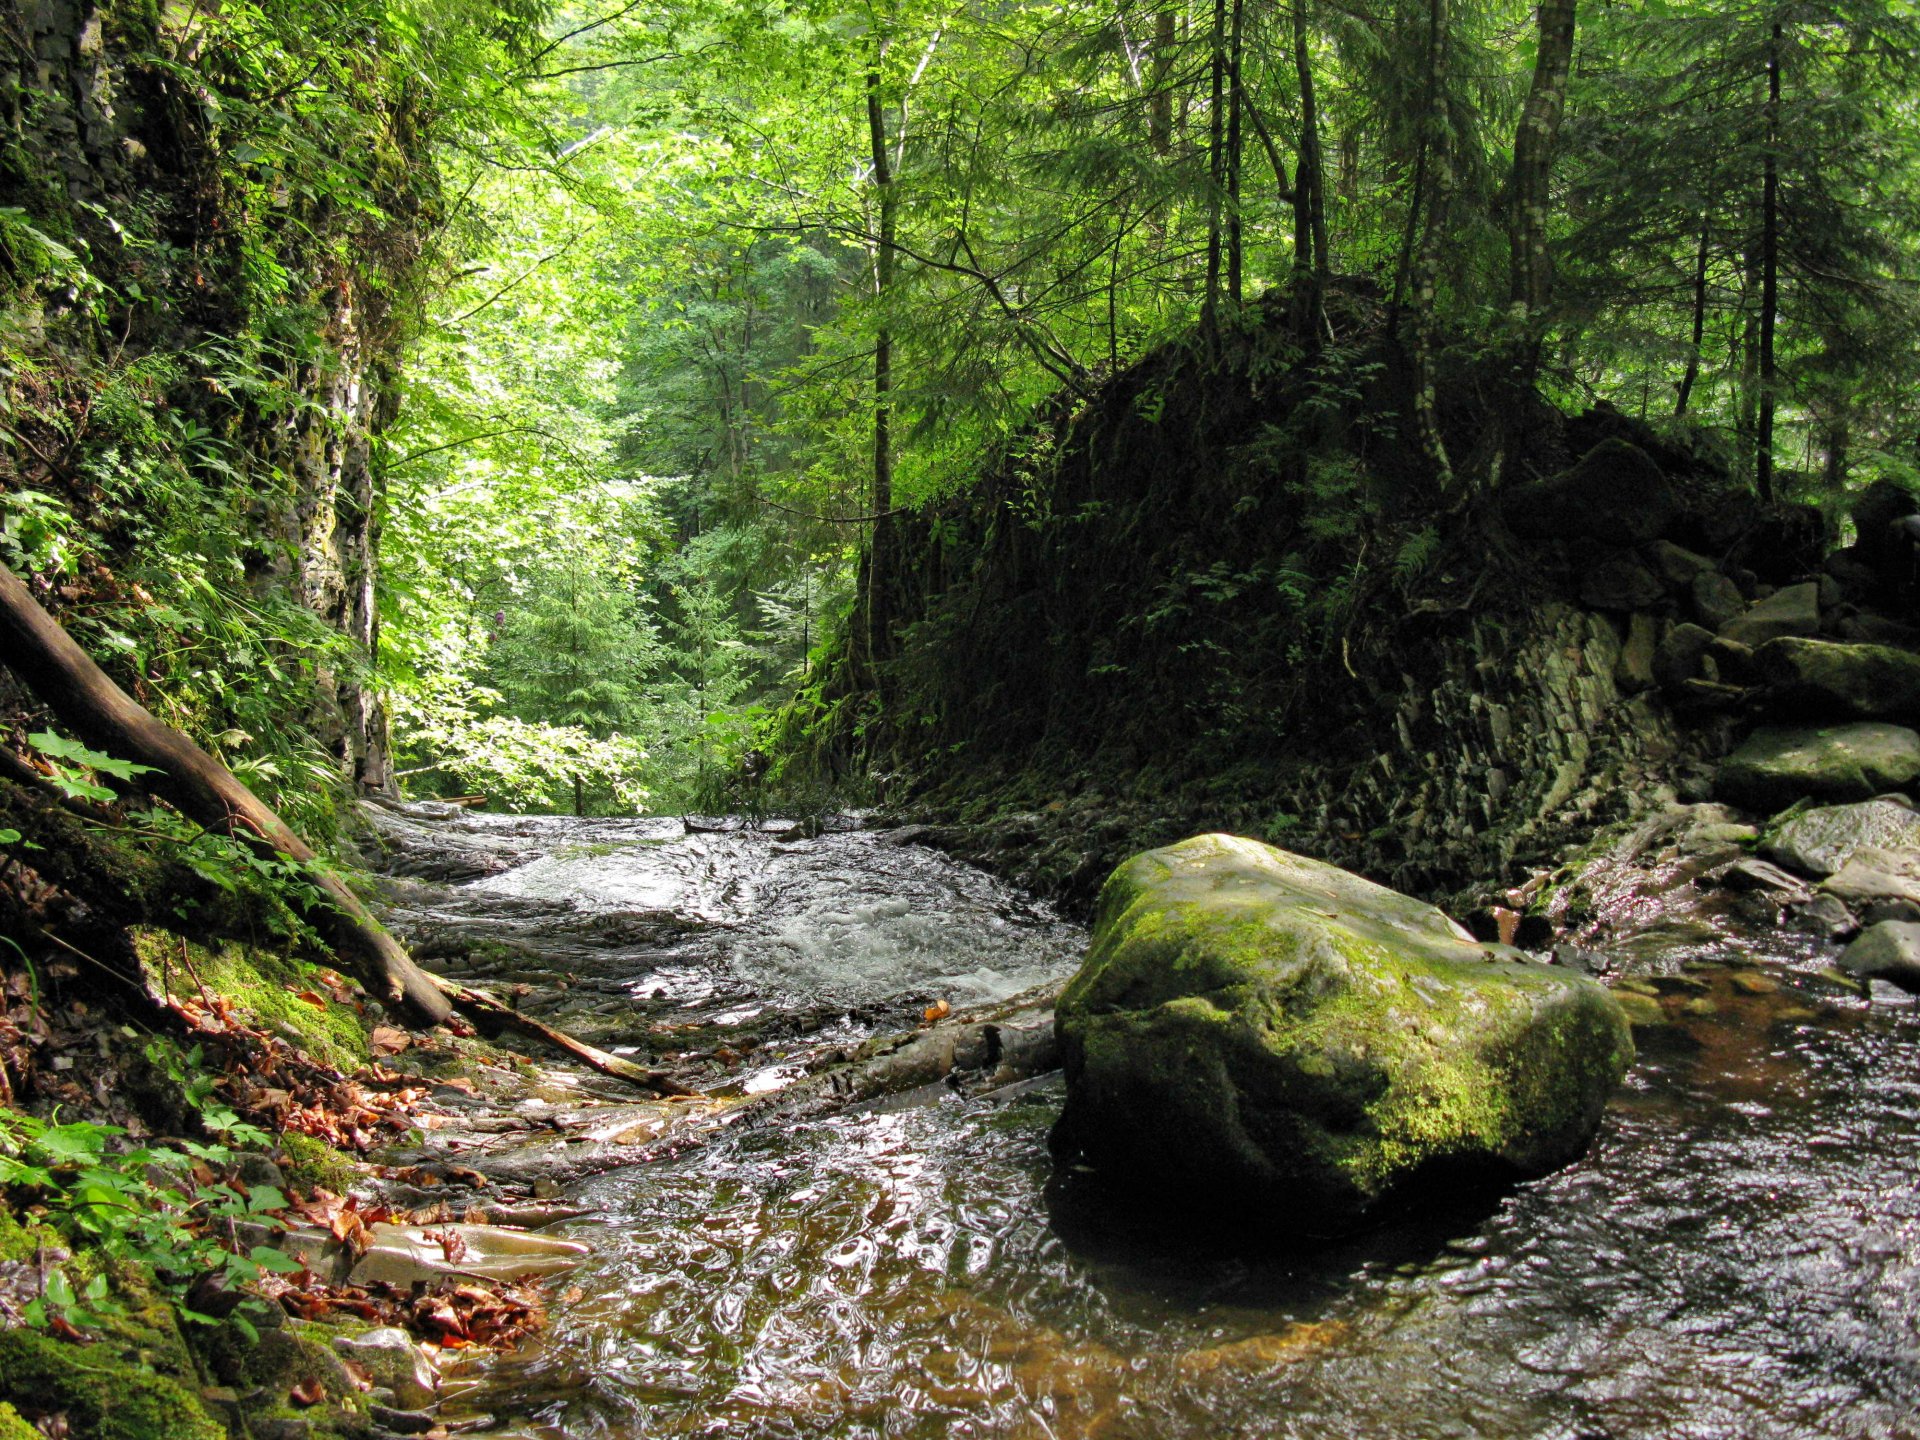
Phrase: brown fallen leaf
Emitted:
{"points": [[307, 1392], [389, 1040], [939, 1010], [313, 999]]}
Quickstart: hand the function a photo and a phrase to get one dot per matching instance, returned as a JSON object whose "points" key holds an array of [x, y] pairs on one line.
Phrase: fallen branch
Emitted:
{"points": [[86, 699], [494, 1015]]}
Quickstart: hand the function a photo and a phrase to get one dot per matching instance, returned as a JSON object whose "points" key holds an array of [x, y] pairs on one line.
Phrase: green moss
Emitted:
{"points": [[12, 1427], [104, 1395], [312, 1162], [264, 989], [20, 1242]]}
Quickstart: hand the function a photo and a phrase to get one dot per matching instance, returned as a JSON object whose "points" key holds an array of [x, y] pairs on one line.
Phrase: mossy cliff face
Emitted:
{"points": [[1254, 1029]]}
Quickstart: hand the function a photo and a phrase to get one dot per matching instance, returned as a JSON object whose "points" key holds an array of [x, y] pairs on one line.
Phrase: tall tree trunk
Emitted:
{"points": [[1216, 164], [1533, 142], [1311, 258], [1235, 259], [1439, 168], [1699, 335], [1769, 272], [880, 501], [1160, 113]]}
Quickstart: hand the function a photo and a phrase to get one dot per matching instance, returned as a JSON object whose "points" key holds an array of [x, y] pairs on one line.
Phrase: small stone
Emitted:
{"points": [[1760, 876], [1641, 1010], [1883, 883], [1823, 915], [1888, 951], [1749, 982], [1677, 658], [1716, 599], [392, 1361], [1677, 566], [1792, 611]]}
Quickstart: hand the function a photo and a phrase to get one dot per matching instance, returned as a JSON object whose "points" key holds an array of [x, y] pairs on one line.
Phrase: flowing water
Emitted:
{"points": [[1738, 1255]]}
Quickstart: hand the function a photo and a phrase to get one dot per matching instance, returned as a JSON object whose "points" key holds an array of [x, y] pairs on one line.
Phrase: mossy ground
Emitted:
{"points": [[265, 991]]}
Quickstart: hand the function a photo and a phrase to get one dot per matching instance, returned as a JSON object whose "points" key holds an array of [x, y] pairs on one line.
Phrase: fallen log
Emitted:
{"points": [[493, 1015], [85, 698]]}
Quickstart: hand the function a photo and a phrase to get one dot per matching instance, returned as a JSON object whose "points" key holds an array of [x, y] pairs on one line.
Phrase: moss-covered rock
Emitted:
{"points": [[1256, 1030], [1837, 764], [103, 1394], [1825, 680], [12, 1427], [265, 990]]}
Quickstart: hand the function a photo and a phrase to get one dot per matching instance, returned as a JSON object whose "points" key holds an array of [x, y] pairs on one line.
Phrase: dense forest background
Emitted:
{"points": [[546, 387]]}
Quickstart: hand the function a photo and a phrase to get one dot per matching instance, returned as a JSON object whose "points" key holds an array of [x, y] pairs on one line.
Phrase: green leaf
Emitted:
{"points": [[277, 1261]]}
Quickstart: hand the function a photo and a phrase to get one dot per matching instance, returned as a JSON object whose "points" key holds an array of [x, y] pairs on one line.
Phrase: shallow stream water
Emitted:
{"points": [[1738, 1255]]}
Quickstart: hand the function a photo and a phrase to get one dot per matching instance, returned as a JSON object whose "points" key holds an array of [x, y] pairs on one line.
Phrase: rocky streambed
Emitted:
{"points": [[858, 1228]]}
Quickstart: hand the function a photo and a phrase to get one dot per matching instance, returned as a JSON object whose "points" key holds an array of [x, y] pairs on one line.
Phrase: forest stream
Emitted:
{"points": [[1737, 1255]]}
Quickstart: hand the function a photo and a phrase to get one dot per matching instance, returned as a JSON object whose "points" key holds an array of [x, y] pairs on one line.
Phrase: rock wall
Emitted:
{"points": [[129, 161]]}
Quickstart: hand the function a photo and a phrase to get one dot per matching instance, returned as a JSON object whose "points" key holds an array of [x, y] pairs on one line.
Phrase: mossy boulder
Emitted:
{"points": [[1615, 492], [104, 1395], [1836, 764], [1828, 680], [1261, 1032]]}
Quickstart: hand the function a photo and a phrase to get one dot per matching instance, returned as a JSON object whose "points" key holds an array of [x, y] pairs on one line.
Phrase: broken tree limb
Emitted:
{"points": [[35, 647], [495, 1015]]}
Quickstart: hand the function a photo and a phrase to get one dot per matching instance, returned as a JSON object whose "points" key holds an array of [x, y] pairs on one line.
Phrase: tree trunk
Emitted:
{"points": [[1216, 166], [1769, 273], [1439, 169], [878, 570], [1235, 257], [1160, 115], [1311, 255], [1533, 141], [56, 669], [1692, 375]]}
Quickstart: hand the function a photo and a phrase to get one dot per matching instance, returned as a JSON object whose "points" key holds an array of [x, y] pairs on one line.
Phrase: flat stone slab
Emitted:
{"points": [[402, 1254], [1779, 765], [1792, 611], [1819, 842], [1259, 1032]]}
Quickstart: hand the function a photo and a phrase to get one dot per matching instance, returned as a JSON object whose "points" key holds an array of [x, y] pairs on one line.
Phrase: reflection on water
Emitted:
{"points": [[1719, 1265], [1739, 1254]]}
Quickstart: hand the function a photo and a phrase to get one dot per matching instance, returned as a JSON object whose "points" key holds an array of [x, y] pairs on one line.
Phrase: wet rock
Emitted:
{"points": [[1876, 514], [1818, 842], [1792, 611], [394, 1362], [1781, 764], [1832, 680], [1257, 1031], [1621, 581], [1888, 951], [1677, 658], [402, 1254], [1881, 884], [1758, 875], [1824, 915], [1716, 599], [1614, 492]]}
